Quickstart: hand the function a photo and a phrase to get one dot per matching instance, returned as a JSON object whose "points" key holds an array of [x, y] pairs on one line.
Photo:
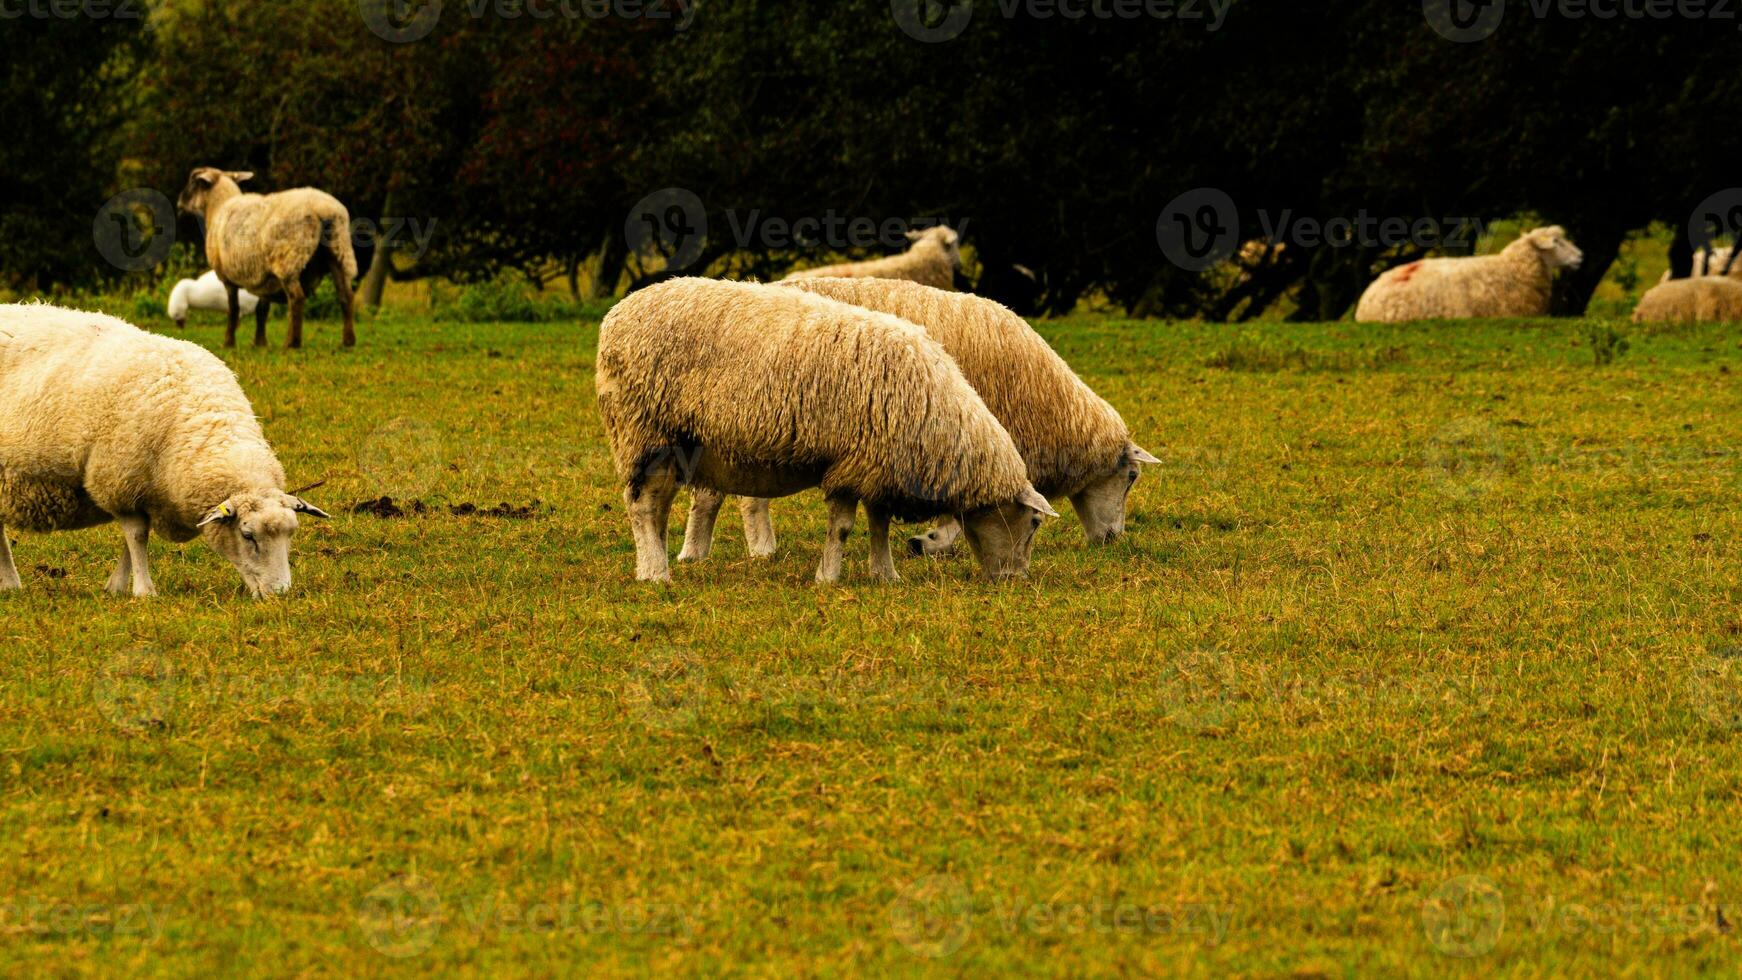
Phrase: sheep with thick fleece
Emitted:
{"points": [[1702, 299], [206, 293], [273, 245], [101, 422], [755, 390], [934, 259], [1073, 442], [1515, 283]]}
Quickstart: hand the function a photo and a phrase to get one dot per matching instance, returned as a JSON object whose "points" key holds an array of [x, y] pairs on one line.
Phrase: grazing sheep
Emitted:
{"points": [[206, 293], [1515, 283], [1074, 444], [1703, 299], [103, 422], [753, 390], [934, 260], [273, 245]]}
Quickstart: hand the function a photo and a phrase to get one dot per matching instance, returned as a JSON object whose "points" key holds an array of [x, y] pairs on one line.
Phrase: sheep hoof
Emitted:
{"points": [[688, 556]]}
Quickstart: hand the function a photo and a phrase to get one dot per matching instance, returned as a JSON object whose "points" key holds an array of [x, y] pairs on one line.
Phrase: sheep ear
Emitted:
{"points": [[1141, 455], [239, 176], [223, 513], [302, 506], [950, 236], [1032, 499], [204, 177]]}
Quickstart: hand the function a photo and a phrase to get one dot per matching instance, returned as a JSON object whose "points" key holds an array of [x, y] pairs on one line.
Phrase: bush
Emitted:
{"points": [[504, 299]]}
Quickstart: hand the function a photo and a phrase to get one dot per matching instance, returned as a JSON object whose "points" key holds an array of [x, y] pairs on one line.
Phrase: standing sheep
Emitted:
{"points": [[1703, 299], [1074, 444], [1515, 283], [205, 293], [934, 260], [749, 389], [104, 423], [272, 245]]}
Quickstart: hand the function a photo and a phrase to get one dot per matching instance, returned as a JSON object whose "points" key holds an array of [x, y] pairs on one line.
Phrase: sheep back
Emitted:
{"points": [[1703, 299], [261, 241], [1513, 283], [779, 378], [1067, 434]]}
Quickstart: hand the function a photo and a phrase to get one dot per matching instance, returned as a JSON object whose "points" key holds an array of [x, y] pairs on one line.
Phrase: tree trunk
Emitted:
{"points": [[573, 264], [1574, 288], [612, 259], [375, 281], [1681, 254]]}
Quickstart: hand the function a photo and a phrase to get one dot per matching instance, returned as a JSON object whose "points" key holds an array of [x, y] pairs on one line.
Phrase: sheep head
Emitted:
{"points": [[253, 531], [1554, 248], [1003, 536], [1101, 505], [945, 237], [208, 186]]}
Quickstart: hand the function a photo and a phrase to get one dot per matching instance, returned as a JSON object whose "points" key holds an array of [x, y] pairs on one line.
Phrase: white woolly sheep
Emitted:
{"points": [[1702, 299], [1515, 283], [1074, 444], [749, 389], [1709, 264], [934, 259], [273, 245], [206, 293], [104, 423]]}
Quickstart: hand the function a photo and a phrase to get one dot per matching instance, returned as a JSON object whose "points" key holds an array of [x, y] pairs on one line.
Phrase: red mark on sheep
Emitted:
{"points": [[1408, 272]]}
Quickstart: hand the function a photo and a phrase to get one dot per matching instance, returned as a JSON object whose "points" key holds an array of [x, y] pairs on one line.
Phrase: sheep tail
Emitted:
{"points": [[336, 236]]}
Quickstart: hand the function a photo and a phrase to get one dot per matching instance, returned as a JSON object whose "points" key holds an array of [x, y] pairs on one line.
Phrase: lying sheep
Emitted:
{"points": [[934, 260], [1515, 283], [1074, 444], [273, 245], [1703, 299], [1710, 262], [107, 423], [750, 389], [206, 293]]}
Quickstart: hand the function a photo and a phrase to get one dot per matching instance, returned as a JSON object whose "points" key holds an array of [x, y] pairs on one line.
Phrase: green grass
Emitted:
{"points": [[1424, 641]]}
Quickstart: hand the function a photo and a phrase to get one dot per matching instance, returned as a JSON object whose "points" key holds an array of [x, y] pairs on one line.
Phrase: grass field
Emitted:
{"points": [[1423, 657]]}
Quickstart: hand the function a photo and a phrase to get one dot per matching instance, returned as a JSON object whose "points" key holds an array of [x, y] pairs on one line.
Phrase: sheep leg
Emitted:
{"points": [[940, 540], [137, 530], [122, 576], [235, 320], [698, 536], [882, 564], [842, 511], [9, 580], [347, 298], [298, 301], [261, 312], [758, 526], [649, 512]]}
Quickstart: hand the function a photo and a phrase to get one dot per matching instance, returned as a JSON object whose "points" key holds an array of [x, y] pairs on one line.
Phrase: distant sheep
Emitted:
{"points": [[206, 293], [1515, 283], [760, 391], [1073, 442], [1709, 265], [104, 423], [273, 245], [1702, 299], [934, 260]]}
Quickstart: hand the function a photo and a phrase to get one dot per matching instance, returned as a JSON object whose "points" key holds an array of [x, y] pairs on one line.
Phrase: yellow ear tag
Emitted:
{"points": [[225, 511]]}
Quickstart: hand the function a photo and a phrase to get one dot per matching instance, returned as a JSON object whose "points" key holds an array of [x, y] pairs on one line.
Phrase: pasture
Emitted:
{"points": [[1423, 656]]}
